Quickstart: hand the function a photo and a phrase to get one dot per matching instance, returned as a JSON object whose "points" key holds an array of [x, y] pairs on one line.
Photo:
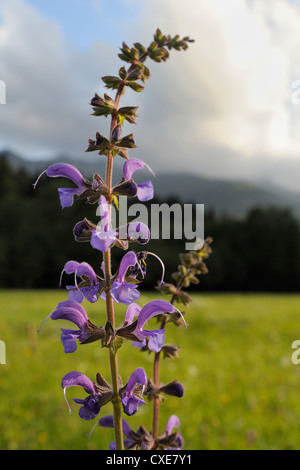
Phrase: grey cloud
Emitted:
{"points": [[191, 114]]}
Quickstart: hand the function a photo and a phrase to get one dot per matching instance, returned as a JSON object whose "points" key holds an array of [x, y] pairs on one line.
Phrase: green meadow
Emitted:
{"points": [[241, 388]]}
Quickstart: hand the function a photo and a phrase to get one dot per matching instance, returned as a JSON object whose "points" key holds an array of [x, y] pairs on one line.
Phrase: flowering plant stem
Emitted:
{"points": [[122, 286], [116, 400]]}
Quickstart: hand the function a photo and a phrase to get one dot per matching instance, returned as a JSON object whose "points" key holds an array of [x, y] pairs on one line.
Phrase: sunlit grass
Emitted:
{"points": [[241, 388]]}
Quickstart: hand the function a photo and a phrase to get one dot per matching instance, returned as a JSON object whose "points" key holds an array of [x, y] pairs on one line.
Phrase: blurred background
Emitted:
{"points": [[219, 124]]}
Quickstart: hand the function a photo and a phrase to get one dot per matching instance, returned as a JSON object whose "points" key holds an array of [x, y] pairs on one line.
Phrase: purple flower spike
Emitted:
{"points": [[75, 313], [122, 291], [65, 170], [156, 337], [91, 406], [103, 238], [129, 400], [145, 191]]}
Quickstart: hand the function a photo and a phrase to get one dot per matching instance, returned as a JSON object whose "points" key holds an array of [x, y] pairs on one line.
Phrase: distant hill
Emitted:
{"points": [[222, 196], [34, 167], [233, 198]]}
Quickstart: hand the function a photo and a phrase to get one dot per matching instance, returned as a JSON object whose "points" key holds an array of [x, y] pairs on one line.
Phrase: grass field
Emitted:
{"points": [[241, 387]]}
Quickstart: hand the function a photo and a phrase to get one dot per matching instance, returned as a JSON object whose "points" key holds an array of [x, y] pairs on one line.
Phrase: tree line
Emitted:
{"points": [[257, 253]]}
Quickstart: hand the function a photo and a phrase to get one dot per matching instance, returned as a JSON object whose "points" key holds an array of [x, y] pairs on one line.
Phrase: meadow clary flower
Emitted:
{"points": [[102, 238], [121, 290], [65, 170], [144, 191], [129, 400], [156, 338], [172, 423], [91, 404], [79, 292], [75, 313]]}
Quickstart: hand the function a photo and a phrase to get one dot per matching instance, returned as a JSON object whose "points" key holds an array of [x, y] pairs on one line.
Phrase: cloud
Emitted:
{"points": [[223, 108], [49, 83], [234, 85]]}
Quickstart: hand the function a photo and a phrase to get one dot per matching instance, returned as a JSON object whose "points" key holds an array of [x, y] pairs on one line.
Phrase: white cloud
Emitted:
{"points": [[242, 66], [223, 108], [48, 84]]}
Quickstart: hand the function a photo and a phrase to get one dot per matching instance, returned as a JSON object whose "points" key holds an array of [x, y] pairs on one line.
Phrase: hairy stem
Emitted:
{"points": [[116, 401], [156, 403]]}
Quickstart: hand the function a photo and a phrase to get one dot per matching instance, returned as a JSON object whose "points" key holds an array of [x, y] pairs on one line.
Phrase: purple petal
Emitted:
{"points": [[67, 171], [71, 311], [131, 404], [129, 401], [104, 213], [132, 311], [68, 339], [132, 165], [102, 240], [66, 195], [172, 423], [145, 191], [71, 266], [139, 344], [129, 259], [90, 293], [75, 294], [138, 376], [90, 408], [69, 303], [139, 232], [153, 308], [74, 378], [156, 339], [108, 422], [84, 269], [125, 293]]}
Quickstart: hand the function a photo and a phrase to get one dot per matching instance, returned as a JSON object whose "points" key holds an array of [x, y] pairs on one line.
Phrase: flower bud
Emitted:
{"points": [[116, 133], [174, 389], [83, 230]]}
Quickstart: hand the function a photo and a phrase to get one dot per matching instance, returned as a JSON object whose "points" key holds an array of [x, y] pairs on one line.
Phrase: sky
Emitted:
{"points": [[227, 108]]}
